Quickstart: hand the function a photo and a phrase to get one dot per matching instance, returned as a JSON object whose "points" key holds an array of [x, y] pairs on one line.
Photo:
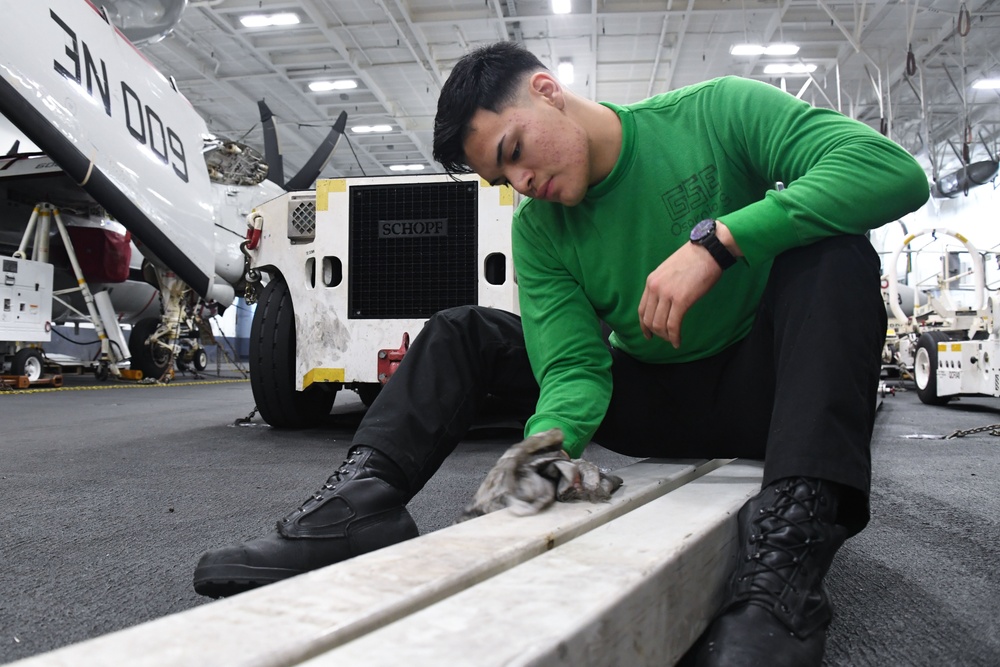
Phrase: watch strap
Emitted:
{"points": [[718, 251], [703, 234]]}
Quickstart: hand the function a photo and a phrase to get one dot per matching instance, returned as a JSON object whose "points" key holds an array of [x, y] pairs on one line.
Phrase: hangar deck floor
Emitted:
{"points": [[111, 492]]}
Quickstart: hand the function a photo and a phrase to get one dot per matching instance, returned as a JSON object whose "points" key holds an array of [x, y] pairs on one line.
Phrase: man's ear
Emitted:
{"points": [[547, 87]]}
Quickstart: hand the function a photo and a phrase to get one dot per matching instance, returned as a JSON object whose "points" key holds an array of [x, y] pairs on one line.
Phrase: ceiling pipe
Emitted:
{"points": [[923, 53], [818, 87], [678, 45], [192, 61], [460, 38], [501, 22], [344, 29], [434, 74], [774, 25], [855, 42], [805, 87], [888, 104], [593, 49], [370, 84], [251, 49], [659, 53], [516, 27], [836, 69]]}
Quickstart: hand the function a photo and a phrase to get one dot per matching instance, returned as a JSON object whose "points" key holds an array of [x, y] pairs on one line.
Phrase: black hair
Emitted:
{"points": [[487, 78]]}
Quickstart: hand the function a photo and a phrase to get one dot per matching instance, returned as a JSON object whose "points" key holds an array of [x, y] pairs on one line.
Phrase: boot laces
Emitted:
{"points": [[345, 469], [779, 558]]}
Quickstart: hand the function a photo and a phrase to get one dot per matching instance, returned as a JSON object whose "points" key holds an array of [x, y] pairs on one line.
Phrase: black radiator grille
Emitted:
{"points": [[413, 249]]}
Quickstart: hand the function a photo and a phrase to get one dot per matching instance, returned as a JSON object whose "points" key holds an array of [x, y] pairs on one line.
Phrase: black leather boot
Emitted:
{"points": [[776, 612], [361, 508]]}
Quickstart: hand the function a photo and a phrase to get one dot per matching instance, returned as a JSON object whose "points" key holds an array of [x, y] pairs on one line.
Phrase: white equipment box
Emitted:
{"points": [[25, 300]]}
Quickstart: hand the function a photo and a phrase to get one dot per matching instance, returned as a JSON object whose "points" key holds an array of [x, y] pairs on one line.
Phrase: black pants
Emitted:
{"points": [[799, 391]]}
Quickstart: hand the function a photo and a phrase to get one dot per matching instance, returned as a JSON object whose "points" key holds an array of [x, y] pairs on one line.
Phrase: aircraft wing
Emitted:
{"points": [[85, 95]]}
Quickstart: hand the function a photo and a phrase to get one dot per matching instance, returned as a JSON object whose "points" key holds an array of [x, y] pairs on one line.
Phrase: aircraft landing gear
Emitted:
{"points": [[147, 345], [102, 372], [197, 357], [178, 337]]}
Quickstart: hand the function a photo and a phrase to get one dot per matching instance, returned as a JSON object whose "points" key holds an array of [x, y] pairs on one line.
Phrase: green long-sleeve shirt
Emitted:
{"points": [[713, 150]]}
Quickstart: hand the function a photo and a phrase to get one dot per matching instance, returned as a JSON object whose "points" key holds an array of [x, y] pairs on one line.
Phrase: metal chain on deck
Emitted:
{"points": [[994, 429], [246, 420]]}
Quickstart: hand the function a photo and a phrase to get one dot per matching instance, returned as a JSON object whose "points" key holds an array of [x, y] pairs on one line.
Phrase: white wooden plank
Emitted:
{"points": [[286, 622], [636, 591]]}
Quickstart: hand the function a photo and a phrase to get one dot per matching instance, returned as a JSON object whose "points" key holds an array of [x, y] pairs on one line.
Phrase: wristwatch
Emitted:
{"points": [[703, 234]]}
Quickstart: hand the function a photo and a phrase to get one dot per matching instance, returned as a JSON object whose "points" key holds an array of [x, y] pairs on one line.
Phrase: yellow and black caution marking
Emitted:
{"points": [[124, 385]]}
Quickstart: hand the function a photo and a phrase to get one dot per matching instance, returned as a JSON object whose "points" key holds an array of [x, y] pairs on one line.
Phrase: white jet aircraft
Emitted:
{"points": [[121, 144]]}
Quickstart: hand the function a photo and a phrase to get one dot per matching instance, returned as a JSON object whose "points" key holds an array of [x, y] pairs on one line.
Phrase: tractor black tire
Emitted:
{"points": [[152, 360], [925, 365], [272, 365], [368, 393], [28, 362]]}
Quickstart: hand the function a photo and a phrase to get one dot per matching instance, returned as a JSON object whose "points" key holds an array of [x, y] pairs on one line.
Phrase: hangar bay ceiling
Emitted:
{"points": [[907, 67]]}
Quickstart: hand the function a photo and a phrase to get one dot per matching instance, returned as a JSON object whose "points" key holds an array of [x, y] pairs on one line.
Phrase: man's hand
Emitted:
{"points": [[676, 284], [672, 288]]}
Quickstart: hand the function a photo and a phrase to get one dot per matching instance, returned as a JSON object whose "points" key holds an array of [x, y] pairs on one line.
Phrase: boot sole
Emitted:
{"points": [[217, 581]]}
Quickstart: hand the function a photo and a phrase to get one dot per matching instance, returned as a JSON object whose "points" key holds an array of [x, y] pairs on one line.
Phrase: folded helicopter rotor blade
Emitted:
{"points": [[272, 152], [308, 174]]}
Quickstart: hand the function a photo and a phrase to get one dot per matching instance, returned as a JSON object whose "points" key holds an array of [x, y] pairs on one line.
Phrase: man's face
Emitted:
{"points": [[532, 145]]}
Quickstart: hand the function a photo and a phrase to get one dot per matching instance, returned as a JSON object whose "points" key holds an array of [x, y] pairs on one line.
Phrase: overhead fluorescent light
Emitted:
{"points": [[565, 71], [406, 167], [785, 68], [366, 129], [987, 84], [561, 6], [340, 84], [775, 49], [267, 20], [747, 49], [781, 49]]}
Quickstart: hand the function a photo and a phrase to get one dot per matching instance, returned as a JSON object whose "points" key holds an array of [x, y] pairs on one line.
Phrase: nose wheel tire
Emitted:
{"points": [[200, 360], [925, 366], [148, 355]]}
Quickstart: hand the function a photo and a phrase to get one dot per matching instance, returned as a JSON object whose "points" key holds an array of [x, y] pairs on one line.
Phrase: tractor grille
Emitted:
{"points": [[302, 221], [413, 249]]}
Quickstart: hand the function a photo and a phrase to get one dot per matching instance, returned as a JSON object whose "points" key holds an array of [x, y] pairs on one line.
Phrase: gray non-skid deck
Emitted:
{"points": [[111, 492]]}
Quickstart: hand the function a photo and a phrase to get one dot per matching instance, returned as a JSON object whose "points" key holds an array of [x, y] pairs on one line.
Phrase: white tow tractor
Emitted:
{"points": [[950, 349], [346, 276]]}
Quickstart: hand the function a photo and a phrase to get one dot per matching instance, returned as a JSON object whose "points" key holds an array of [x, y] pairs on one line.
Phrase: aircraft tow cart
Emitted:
{"points": [[26, 306], [950, 350]]}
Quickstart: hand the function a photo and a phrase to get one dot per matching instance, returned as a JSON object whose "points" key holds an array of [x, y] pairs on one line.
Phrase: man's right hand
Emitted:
{"points": [[536, 472], [676, 284]]}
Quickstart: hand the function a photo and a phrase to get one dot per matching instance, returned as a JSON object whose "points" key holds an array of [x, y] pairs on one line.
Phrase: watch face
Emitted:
{"points": [[702, 229]]}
